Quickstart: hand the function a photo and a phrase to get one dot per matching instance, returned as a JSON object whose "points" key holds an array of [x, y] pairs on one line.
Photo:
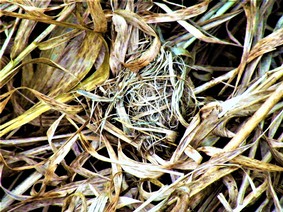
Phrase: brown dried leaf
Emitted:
{"points": [[58, 40], [52, 163], [256, 164], [177, 15], [232, 187], [120, 44], [244, 161], [25, 29], [44, 19], [146, 57], [194, 30], [267, 44], [141, 170], [77, 58], [98, 16], [278, 156]]}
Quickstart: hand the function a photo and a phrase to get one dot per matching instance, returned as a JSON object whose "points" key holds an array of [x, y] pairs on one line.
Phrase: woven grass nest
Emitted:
{"points": [[141, 105]]}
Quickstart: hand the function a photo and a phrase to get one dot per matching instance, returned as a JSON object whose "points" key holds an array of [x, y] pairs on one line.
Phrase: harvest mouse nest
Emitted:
{"points": [[157, 101]]}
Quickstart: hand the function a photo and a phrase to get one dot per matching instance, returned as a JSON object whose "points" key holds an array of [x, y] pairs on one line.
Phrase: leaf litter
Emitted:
{"points": [[141, 105]]}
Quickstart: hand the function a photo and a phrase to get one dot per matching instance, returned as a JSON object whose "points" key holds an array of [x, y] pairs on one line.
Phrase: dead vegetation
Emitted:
{"points": [[141, 105]]}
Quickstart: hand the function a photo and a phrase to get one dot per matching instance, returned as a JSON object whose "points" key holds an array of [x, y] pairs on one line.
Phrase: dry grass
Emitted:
{"points": [[141, 105]]}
